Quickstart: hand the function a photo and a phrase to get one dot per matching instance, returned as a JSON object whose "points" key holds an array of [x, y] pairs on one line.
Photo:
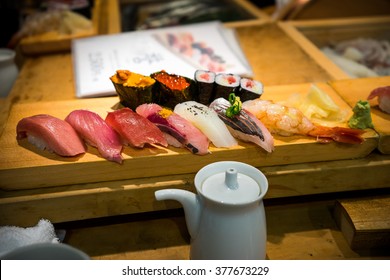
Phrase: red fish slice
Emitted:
{"points": [[176, 126], [97, 133], [50, 133], [134, 129]]}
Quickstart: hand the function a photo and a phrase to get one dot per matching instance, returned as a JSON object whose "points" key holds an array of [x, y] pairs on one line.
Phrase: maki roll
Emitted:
{"points": [[133, 89], [226, 84], [249, 89], [171, 89], [205, 86]]}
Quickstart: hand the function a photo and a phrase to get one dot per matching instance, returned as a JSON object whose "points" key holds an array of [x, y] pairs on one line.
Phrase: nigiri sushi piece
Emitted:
{"points": [[50, 133], [134, 129], [244, 125], [96, 132], [383, 94], [207, 121], [176, 126], [287, 121]]}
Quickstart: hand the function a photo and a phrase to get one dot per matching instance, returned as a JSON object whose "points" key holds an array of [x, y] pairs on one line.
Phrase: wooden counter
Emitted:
{"points": [[122, 215], [295, 231]]}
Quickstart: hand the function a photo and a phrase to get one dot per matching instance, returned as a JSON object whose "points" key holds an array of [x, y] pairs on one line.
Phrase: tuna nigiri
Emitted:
{"points": [[244, 125], [97, 133], [134, 129], [207, 121], [174, 125], [383, 94], [51, 134]]}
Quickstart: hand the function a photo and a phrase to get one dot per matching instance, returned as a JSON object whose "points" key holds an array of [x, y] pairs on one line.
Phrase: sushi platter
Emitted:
{"points": [[23, 166]]}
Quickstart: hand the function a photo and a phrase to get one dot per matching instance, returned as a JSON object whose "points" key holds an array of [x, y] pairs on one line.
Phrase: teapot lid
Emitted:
{"points": [[230, 182]]}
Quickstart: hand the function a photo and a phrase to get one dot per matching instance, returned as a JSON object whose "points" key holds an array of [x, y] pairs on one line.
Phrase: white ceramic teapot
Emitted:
{"points": [[226, 219]]}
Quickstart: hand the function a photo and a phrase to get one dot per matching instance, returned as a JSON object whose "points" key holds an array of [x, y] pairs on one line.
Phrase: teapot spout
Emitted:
{"points": [[190, 203]]}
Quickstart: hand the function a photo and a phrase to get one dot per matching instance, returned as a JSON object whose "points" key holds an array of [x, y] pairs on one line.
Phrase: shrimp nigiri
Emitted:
{"points": [[287, 121]]}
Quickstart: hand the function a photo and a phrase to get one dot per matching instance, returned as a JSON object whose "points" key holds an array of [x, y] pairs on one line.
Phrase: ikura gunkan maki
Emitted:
{"points": [[226, 84], [172, 89], [249, 89], [205, 82], [133, 89]]}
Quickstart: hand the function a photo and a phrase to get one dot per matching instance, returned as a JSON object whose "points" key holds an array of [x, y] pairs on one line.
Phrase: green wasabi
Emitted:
{"points": [[361, 118]]}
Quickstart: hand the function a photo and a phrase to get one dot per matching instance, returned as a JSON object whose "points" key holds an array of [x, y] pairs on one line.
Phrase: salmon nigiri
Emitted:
{"points": [[97, 133], [51, 134], [134, 129], [174, 125]]}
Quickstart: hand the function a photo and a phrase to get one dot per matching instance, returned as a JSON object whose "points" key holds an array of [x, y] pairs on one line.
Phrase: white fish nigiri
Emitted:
{"points": [[207, 121]]}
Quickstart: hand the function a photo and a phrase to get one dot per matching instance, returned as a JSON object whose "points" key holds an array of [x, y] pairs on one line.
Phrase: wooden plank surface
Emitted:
{"points": [[26, 170], [120, 197], [365, 222], [361, 88], [276, 58]]}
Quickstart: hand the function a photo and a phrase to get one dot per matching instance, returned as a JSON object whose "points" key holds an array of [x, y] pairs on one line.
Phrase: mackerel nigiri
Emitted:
{"points": [[207, 121], [51, 134], [97, 133], [134, 129], [178, 127], [244, 125]]}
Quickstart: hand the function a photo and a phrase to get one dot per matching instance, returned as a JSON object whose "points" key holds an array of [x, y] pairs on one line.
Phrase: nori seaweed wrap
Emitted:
{"points": [[225, 84], [133, 89], [172, 89], [205, 84], [249, 89]]}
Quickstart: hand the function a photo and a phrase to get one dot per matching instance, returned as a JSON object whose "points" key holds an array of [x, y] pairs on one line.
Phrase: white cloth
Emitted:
{"points": [[12, 237]]}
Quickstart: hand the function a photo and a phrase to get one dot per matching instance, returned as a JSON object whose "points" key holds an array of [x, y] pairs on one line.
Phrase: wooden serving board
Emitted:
{"points": [[358, 89], [22, 166], [365, 222]]}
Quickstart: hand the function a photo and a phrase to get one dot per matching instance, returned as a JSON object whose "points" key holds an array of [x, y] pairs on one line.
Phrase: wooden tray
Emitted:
{"points": [[311, 35], [104, 17], [361, 88], [22, 166]]}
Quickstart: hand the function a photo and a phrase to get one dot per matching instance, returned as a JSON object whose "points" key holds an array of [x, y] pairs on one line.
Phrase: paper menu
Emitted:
{"points": [[178, 50]]}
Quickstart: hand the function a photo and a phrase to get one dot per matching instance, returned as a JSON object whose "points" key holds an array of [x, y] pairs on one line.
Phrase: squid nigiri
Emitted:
{"points": [[383, 94], [134, 129], [97, 133], [174, 125], [286, 121], [244, 125], [50, 133], [207, 121]]}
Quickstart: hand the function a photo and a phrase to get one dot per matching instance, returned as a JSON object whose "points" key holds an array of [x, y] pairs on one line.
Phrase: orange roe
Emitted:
{"points": [[174, 82]]}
